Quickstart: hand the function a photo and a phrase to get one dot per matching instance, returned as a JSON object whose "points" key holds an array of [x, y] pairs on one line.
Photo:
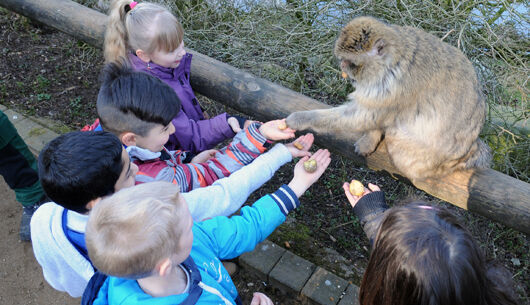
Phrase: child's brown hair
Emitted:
{"points": [[423, 256]]}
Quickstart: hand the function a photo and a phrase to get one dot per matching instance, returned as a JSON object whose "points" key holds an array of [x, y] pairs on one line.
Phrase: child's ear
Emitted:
{"points": [[142, 55], [90, 205], [128, 138], [164, 267]]}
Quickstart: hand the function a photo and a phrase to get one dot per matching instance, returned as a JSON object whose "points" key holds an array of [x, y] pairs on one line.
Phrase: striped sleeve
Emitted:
{"points": [[286, 199], [246, 146]]}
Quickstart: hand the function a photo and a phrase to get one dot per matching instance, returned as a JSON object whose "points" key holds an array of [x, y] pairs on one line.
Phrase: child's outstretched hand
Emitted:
{"points": [[204, 156], [272, 130], [234, 124], [259, 298], [304, 144], [302, 179], [354, 199]]}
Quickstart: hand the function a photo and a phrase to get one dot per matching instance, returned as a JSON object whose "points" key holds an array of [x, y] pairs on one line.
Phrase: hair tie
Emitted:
{"points": [[129, 7]]}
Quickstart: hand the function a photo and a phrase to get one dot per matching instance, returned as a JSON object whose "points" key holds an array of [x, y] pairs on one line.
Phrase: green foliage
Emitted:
{"points": [[76, 107], [43, 96], [42, 83]]}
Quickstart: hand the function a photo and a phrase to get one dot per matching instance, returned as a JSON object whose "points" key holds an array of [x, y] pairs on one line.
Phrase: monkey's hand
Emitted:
{"points": [[299, 120], [367, 144]]}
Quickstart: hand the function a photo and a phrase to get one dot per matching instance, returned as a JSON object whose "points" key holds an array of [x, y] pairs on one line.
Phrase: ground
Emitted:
{"points": [[48, 74]]}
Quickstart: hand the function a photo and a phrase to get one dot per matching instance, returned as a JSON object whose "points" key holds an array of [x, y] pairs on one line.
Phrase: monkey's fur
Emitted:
{"points": [[420, 93]]}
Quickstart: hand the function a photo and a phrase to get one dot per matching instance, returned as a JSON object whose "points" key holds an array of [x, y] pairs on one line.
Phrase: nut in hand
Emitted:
{"points": [[298, 145], [310, 165], [356, 188], [282, 126]]}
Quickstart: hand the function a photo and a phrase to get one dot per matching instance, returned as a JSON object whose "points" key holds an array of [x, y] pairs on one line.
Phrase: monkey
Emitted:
{"points": [[420, 94]]}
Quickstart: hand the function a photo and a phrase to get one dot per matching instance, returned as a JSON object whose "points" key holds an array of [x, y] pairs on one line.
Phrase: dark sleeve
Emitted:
{"points": [[240, 120], [370, 209]]}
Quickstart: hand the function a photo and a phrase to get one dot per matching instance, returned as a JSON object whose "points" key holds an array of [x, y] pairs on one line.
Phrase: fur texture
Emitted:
{"points": [[420, 93]]}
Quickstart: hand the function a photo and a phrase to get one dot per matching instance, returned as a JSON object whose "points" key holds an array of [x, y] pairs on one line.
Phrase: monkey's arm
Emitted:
{"points": [[335, 120]]}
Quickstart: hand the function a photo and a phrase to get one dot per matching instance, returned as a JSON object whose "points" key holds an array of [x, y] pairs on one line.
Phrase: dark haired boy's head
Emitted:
{"points": [[78, 167], [133, 104]]}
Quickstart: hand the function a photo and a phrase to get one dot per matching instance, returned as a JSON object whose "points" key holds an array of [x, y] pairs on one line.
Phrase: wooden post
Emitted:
{"points": [[486, 192]]}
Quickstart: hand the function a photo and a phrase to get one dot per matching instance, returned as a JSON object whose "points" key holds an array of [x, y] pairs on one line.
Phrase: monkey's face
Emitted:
{"points": [[361, 50], [350, 68]]}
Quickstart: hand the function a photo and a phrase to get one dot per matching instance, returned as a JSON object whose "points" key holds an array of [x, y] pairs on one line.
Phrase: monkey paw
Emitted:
{"points": [[297, 120], [365, 146]]}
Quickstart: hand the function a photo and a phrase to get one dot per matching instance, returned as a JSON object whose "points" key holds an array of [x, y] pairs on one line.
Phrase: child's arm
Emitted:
{"points": [[196, 136], [225, 196], [246, 146], [230, 237], [369, 207]]}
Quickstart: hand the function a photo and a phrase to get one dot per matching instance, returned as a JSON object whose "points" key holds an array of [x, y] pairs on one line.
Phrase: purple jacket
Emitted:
{"points": [[192, 132]]}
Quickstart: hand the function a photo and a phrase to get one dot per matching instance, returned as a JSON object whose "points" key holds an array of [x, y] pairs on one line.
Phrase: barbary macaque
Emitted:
{"points": [[418, 92]]}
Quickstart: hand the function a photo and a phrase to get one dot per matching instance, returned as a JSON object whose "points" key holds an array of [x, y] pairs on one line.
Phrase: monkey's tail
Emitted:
{"points": [[480, 156]]}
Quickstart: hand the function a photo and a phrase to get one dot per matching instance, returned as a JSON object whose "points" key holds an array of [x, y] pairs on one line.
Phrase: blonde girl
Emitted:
{"points": [[150, 39]]}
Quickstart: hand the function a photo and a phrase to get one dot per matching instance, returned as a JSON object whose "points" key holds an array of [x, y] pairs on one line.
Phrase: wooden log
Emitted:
{"points": [[486, 192]]}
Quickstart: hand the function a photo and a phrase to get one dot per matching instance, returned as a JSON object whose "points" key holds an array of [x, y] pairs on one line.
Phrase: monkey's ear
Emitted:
{"points": [[378, 49]]}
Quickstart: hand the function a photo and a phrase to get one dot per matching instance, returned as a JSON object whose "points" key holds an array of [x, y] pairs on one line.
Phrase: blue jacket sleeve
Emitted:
{"points": [[197, 136], [230, 237]]}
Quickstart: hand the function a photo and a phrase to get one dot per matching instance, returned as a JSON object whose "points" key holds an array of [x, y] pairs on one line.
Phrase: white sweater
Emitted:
{"points": [[65, 269]]}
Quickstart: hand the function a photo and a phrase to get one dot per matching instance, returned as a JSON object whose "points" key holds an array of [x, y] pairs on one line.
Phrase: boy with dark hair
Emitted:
{"points": [[138, 108], [79, 168], [158, 255], [76, 169]]}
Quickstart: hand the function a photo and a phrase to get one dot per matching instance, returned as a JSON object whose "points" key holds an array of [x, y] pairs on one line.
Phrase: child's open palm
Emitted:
{"points": [[302, 179], [354, 199], [304, 142], [272, 130]]}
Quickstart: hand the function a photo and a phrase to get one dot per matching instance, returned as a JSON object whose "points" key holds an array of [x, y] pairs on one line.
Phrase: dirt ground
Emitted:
{"points": [[22, 280]]}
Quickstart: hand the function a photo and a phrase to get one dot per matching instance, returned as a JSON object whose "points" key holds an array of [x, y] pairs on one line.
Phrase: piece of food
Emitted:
{"points": [[344, 75], [298, 145], [310, 165], [282, 126], [356, 188]]}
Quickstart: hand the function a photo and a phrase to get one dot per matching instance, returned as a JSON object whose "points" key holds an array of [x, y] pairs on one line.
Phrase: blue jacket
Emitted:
{"points": [[214, 240]]}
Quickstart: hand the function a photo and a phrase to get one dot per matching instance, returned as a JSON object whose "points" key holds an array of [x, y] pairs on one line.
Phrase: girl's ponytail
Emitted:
{"points": [[116, 41]]}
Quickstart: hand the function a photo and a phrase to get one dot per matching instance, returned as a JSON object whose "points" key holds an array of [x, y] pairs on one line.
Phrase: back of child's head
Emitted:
{"points": [[134, 101], [423, 256], [147, 26], [78, 167], [130, 232]]}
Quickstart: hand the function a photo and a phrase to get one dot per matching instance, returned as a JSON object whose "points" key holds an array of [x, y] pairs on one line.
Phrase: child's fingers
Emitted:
{"points": [[303, 159], [346, 187], [326, 162], [308, 140], [373, 187], [320, 155]]}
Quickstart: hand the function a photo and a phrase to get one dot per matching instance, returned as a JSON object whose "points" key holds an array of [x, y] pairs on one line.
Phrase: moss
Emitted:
{"points": [[37, 131]]}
